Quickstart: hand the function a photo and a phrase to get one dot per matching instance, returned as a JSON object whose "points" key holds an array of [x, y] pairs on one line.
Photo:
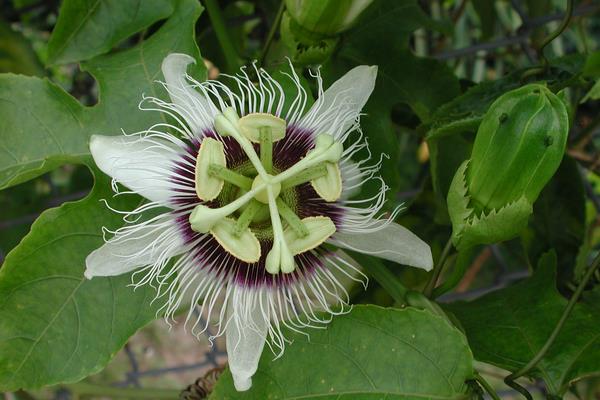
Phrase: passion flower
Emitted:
{"points": [[251, 205]]}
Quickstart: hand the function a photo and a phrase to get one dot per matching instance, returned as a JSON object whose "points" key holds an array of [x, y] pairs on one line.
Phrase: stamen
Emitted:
{"points": [[243, 246], [223, 173], [211, 153], [307, 175], [251, 124], [246, 217], [320, 229], [266, 148], [329, 187], [292, 219]]}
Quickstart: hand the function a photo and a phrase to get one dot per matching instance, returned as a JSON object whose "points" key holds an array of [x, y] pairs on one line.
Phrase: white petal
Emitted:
{"points": [[245, 336], [139, 247], [392, 242], [338, 107], [197, 110], [142, 165]]}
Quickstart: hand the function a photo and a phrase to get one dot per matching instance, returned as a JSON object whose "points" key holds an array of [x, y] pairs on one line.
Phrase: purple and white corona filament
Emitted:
{"points": [[254, 205]]}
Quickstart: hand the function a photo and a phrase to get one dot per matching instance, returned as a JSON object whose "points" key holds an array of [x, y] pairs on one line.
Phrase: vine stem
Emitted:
{"points": [[216, 18], [271, 34], [437, 269], [457, 273], [486, 386], [87, 389], [509, 380], [563, 25], [540, 49]]}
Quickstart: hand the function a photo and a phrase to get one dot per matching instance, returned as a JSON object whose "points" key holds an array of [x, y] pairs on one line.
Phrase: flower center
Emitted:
{"points": [[263, 194]]}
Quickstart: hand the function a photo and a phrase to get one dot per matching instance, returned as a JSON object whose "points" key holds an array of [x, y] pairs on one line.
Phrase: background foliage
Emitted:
{"points": [[79, 67]]}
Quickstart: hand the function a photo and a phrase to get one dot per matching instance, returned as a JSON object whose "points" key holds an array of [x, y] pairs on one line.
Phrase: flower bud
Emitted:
{"points": [[519, 146], [309, 28], [325, 17]]}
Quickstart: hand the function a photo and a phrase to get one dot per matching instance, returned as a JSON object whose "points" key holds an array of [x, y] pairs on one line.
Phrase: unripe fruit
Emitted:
{"points": [[519, 146], [325, 17]]}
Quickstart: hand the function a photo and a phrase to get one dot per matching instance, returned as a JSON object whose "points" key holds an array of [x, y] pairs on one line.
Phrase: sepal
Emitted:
{"points": [[470, 228], [305, 48]]}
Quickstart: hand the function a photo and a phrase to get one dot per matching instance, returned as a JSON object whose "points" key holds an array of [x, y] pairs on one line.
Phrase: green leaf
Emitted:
{"points": [[371, 353], [508, 327], [421, 83], [591, 67], [55, 325], [87, 28], [21, 204], [16, 53], [465, 112], [43, 127], [594, 93], [470, 228], [458, 202], [125, 76]]}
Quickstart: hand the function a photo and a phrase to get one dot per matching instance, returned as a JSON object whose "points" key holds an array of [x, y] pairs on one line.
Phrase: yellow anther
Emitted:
{"points": [[243, 246], [211, 152], [250, 126], [329, 187], [320, 229]]}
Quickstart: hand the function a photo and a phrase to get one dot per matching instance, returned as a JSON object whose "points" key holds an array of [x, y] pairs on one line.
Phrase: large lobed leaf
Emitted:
{"points": [[371, 353], [87, 28], [43, 127], [508, 327], [54, 325]]}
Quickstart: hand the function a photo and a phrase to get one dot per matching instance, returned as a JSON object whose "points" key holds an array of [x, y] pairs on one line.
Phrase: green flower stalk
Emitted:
{"points": [[519, 145]]}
